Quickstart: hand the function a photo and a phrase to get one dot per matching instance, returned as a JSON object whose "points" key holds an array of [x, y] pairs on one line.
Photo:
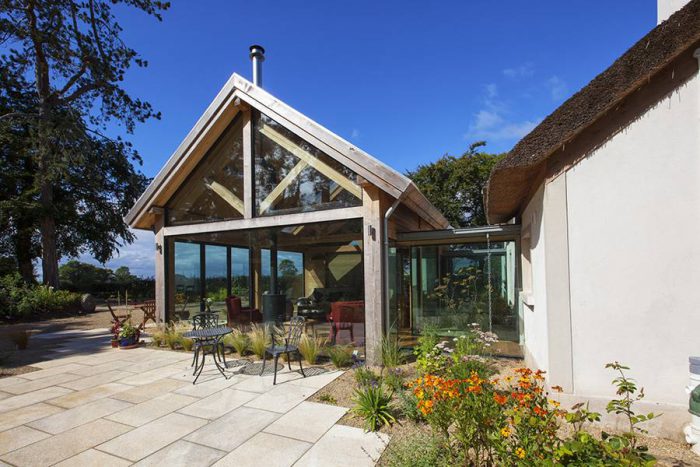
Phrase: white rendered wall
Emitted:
{"points": [[634, 252], [535, 314]]}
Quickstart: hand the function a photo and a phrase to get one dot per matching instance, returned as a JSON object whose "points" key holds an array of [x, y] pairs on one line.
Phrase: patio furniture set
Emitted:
{"points": [[208, 336]]}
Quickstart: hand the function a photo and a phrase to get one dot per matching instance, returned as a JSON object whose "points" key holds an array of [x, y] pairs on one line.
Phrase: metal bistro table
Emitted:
{"points": [[209, 337]]}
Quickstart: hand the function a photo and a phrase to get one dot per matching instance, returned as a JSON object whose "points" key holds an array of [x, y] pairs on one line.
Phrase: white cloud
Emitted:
{"points": [[492, 123], [558, 89], [139, 257], [355, 133], [525, 70]]}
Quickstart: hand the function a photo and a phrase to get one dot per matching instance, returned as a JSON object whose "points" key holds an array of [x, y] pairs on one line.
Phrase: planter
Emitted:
{"points": [[115, 343], [128, 341]]}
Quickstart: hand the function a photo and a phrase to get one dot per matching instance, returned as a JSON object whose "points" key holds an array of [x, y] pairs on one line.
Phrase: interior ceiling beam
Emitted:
{"points": [[226, 195], [311, 160], [277, 193]]}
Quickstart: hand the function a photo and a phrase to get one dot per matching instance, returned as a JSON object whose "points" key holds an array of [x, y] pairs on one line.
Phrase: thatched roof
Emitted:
{"points": [[511, 180]]}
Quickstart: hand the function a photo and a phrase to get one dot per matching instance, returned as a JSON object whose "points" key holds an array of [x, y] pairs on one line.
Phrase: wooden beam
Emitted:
{"points": [[275, 194], [313, 161], [248, 200], [226, 195], [267, 221]]}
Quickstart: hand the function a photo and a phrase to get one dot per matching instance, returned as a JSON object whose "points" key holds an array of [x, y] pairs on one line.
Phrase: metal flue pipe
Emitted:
{"points": [[257, 56]]}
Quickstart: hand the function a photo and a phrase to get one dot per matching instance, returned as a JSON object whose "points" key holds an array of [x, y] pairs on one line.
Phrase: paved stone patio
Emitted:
{"points": [[94, 405]]}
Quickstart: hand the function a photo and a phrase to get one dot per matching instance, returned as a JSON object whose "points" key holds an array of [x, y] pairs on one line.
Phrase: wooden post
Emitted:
{"points": [[160, 268], [374, 204]]}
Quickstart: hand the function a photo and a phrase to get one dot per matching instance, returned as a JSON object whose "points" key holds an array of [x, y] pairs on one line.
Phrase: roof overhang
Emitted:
{"points": [[239, 94], [665, 55]]}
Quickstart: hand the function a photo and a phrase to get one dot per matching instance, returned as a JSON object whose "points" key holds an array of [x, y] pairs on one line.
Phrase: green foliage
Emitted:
{"points": [[259, 339], [187, 344], [328, 399], [455, 185], [310, 348], [128, 330], [514, 422], [391, 351], [239, 341], [373, 405], [418, 451], [60, 88], [19, 299], [340, 355], [366, 377]]}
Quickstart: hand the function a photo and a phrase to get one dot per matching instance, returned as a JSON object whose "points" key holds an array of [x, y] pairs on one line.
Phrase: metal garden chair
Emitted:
{"points": [[291, 344], [205, 321]]}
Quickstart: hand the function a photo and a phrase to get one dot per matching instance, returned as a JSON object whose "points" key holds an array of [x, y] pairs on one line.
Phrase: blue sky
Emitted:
{"points": [[406, 81]]}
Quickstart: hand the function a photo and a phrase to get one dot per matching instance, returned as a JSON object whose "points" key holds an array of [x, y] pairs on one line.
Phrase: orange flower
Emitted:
{"points": [[540, 411], [500, 399]]}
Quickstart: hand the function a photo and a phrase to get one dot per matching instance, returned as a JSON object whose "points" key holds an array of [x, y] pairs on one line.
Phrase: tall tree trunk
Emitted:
{"points": [[47, 227]]}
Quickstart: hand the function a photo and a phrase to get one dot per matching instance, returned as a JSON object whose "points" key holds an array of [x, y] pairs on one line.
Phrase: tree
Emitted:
{"points": [[60, 87], [455, 185]]}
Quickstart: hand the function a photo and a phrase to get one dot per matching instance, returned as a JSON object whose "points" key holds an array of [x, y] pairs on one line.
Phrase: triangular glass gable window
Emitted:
{"points": [[214, 190], [293, 176]]}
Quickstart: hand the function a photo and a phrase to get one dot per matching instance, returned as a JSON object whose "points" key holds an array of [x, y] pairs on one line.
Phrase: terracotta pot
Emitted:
{"points": [[115, 343]]}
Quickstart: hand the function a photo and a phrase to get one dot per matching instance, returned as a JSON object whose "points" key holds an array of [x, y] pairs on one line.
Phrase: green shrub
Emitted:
{"points": [[373, 405], [366, 377], [310, 348], [328, 399], [259, 339], [173, 339], [187, 344], [239, 341], [21, 300], [340, 355], [419, 450], [391, 352]]}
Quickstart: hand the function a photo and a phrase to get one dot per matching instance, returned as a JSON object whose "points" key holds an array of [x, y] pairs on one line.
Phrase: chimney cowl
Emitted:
{"points": [[257, 56]]}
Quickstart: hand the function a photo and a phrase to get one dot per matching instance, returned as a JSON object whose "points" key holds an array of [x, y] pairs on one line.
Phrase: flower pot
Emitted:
{"points": [[127, 341], [115, 343]]}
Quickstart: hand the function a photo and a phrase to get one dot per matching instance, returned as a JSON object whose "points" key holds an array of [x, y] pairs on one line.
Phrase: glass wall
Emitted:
{"points": [[240, 274], [449, 287], [214, 190], [216, 277], [293, 176], [187, 278]]}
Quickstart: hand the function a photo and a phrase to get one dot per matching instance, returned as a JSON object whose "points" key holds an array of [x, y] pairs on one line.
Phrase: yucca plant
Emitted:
{"points": [[373, 405], [310, 348], [259, 339], [341, 355], [239, 341]]}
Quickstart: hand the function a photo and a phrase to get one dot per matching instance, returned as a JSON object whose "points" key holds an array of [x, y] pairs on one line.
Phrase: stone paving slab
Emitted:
{"points": [[93, 405], [145, 412], [67, 444], [19, 437], [149, 391], [93, 458], [218, 404], [35, 385], [80, 415], [282, 398], [17, 417], [85, 396], [345, 446], [30, 398], [233, 429], [307, 421], [151, 437], [97, 380], [266, 449], [182, 453]]}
